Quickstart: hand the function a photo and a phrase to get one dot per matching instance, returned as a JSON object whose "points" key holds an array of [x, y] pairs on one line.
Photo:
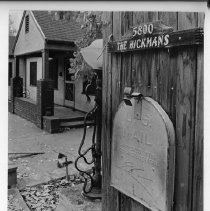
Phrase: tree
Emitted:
{"points": [[91, 24], [12, 29]]}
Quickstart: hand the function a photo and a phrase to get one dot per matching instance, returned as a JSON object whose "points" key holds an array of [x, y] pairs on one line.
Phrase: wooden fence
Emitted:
{"points": [[174, 78]]}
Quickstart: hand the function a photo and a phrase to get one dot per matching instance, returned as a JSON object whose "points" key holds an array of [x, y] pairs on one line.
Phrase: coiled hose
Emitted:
{"points": [[91, 113]]}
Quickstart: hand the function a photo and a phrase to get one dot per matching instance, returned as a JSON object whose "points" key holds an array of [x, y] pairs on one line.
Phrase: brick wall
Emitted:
{"points": [[27, 110], [34, 111]]}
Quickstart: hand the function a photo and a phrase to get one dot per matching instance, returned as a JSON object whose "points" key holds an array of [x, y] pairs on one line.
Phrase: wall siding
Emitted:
{"points": [[174, 78], [33, 89]]}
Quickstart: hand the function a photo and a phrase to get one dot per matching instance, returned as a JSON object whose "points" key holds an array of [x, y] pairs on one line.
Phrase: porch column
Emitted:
{"points": [[45, 64], [16, 64]]}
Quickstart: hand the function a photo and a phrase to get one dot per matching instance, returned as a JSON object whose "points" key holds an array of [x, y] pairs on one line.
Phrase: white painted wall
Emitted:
{"points": [[33, 89], [31, 41]]}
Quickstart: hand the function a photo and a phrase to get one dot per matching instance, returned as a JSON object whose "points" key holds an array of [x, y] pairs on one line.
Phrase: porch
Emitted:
{"points": [[64, 118]]}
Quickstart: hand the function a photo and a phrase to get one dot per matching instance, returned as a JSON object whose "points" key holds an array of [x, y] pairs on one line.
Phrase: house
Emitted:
{"points": [[43, 47], [10, 64]]}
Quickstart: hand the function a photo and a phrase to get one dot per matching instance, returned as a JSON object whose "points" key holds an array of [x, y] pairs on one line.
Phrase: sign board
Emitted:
{"points": [[143, 154], [155, 35]]}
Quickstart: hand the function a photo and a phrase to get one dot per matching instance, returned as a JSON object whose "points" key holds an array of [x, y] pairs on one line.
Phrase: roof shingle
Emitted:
{"points": [[57, 30]]}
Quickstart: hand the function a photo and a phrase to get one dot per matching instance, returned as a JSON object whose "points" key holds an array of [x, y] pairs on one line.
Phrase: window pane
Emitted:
{"points": [[33, 73]]}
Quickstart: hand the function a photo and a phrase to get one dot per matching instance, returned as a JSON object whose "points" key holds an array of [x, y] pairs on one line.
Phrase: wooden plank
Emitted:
{"points": [[116, 88], [163, 85], [198, 151], [138, 18], [126, 72], [169, 19], [198, 146], [201, 18], [106, 116], [116, 65], [187, 20], [185, 117], [149, 68], [185, 111], [150, 16], [137, 207], [163, 77], [126, 22]]}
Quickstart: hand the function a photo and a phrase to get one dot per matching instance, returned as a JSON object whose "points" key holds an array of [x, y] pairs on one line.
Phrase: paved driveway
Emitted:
{"points": [[25, 137]]}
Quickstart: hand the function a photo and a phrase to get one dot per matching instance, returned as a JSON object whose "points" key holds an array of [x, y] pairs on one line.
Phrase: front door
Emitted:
{"points": [[69, 85]]}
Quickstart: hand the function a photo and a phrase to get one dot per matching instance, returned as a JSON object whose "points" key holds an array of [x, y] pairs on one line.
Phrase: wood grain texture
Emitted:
{"points": [[126, 62], [169, 19], [116, 65], [126, 72], [187, 20], [107, 192], [201, 18], [185, 117], [174, 78], [198, 145], [164, 83]]}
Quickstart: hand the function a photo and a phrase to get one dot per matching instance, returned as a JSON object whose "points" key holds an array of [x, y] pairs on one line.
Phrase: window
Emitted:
{"points": [[27, 24], [53, 68], [10, 73], [33, 73]]}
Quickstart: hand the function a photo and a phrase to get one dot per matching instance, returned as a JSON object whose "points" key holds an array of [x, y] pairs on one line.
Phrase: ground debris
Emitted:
{"points": [[46, 196]]}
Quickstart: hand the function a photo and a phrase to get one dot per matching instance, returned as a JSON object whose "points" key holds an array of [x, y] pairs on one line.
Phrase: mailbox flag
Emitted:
{"points": [[93, 54]]}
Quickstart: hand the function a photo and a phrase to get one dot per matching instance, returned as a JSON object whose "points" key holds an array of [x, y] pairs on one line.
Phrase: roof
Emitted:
{"points": [[11, 43], [57, 30]]}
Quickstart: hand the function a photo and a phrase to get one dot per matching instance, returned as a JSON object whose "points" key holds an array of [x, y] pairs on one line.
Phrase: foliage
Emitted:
{"points": [[12, 29], [91, 25]]}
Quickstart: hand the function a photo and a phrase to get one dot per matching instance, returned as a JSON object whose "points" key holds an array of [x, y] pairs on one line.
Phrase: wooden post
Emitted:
{"points": [[45, 64]]}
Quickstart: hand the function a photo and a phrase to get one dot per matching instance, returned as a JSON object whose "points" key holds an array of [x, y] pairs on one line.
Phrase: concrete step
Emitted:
{"points": [[64, 119], [75, 124], [54, 124]]}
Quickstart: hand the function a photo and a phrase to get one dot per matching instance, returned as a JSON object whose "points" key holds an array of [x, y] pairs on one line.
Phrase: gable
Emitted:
{"points": [[31, 41]]}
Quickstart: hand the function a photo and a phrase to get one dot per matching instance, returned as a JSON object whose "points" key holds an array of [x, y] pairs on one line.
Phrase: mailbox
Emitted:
{"points": [[143, 153]]}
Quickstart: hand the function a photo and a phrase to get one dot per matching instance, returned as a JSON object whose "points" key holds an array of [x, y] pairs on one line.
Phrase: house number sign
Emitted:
{"points": [[156, 35], [144, 41], [142, 162]]}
